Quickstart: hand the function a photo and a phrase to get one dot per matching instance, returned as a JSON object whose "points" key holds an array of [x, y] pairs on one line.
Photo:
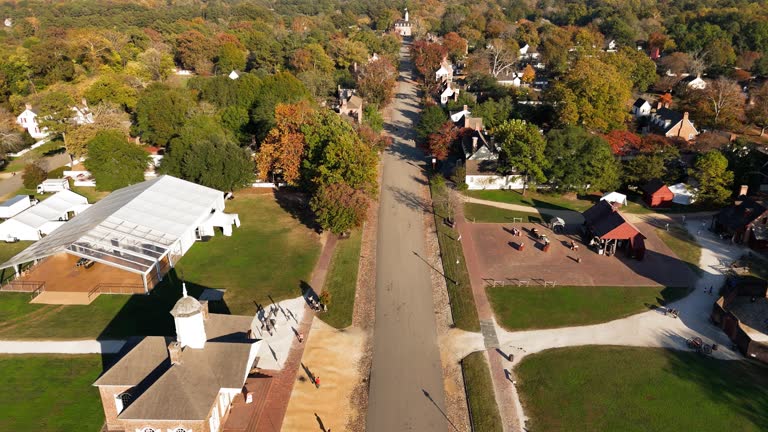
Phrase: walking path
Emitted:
{"points": [[648, 329], [406, 386], [279, 395], [61, 347]]}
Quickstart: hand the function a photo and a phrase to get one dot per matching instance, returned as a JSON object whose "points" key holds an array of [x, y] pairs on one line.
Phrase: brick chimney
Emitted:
{"points": [[685, 115], [174, 352], [659, 105], [204, 305], [29, 107]]}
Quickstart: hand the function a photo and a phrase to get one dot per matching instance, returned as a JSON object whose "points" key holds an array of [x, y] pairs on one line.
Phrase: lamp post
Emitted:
{"points": [[434, 161]]}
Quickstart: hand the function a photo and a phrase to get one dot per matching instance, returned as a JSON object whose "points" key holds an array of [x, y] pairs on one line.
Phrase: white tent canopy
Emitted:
{"points": [[134, 227], [684, 194], [43, 218], [615, 197]]}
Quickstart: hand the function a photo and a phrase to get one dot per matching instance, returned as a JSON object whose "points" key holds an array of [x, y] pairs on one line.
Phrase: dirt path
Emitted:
{"points": [[406, 388]]}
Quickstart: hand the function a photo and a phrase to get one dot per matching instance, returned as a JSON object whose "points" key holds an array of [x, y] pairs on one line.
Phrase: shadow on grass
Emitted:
{"points": [[296, 204]]}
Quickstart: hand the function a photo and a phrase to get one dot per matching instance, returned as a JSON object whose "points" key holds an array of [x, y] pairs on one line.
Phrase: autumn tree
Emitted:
{"points": [[440, 142], [34, 173], [722, 102], [522, 151], [529, 74], [715, 180], [156, 63], [311, 57], [427, 57], [114, 161], [195, 51], [623, 142], [757, 111], [273, 90], [578, 160], [283, 149], [339, 207], [502, 56], [376, 82], [11, 136], [592, 94], [455, 45]]}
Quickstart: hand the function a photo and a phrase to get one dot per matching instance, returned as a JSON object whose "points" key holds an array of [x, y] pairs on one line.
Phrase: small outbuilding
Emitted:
{"points": [[607, 230], [657, 194], [615, 197], [744, 222], [15, 205]]}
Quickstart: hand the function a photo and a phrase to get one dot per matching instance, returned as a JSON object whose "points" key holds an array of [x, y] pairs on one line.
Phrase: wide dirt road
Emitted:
{"points": [[406, 388]]}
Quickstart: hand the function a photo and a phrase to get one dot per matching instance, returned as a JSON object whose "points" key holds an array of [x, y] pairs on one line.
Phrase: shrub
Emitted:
{"points": [[33, 175], [459, 176]]}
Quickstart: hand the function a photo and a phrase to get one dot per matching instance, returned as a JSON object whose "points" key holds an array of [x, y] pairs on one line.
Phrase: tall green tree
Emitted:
{"points": [[522, 151], [592, 94], [206, 154], [432, 118], [114, 161], [230, 58], [338, 207], [715, 180], [578, 160], [279, 88], [161, 111]]}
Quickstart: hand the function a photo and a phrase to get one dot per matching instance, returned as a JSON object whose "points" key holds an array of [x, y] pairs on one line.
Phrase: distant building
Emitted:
{"points": [[641, 108], [404, 27], [350, 104], [657, 194], [445, 73], [744, 222], [697, 83], [233, 75], [28, 120], [8, 22]]}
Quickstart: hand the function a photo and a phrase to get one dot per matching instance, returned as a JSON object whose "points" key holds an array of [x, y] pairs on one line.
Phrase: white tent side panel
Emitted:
{"points": [[13, 229]]}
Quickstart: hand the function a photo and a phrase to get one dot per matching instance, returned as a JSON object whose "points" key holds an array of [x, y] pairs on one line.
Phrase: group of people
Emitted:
{"points": [[315, 304], [673, 312]]}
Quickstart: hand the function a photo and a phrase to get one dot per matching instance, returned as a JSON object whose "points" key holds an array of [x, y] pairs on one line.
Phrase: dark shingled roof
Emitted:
{"points": [[607, 223], [639, 102], [653, 186], [674, 117], [597, 211], [736, 217]]}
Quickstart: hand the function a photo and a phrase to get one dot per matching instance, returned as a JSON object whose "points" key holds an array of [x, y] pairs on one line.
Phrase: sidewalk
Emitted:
{"points": [[280, 392], [61, 347]]}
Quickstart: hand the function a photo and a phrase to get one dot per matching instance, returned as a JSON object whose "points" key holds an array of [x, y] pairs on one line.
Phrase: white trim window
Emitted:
{"points": [[147, 429], [122, 401]]}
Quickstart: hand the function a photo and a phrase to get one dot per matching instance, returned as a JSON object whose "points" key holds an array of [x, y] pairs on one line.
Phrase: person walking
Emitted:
{"points": [[317, 381]]}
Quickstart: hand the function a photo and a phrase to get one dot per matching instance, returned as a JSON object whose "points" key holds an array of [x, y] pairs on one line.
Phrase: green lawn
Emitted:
{"points": [[623, 389], [536, 307], [7, 251], [269, 255], [341, 281], [90, 193], [456, 275], [50, 393], [488, 214], [480, 395], [683, 244], [552, 201], [48, 148]]}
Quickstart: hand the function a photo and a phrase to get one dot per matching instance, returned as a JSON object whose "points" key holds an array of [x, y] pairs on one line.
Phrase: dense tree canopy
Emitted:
{"points": [[115, 162], [522, 151], [578, 160], [161, 112]]}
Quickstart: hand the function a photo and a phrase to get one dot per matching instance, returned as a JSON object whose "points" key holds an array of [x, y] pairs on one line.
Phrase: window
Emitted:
{"points": [[179, 430], [122, 401], [149, 429]]}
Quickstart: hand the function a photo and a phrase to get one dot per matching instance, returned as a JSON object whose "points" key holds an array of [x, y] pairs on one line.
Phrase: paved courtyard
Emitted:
{"points": [[501, 259]]}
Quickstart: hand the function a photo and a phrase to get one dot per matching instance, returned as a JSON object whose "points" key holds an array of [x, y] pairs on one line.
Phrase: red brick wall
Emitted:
{"points": [[108, 394], [164, 425]]}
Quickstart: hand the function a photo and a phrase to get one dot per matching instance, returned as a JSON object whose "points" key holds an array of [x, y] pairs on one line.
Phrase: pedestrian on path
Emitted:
{"points": [[301, 337], [317, 381]]}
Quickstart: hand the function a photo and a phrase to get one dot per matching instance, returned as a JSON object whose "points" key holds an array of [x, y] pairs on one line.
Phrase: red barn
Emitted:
{"points": [[657, 194], [607, 229]]}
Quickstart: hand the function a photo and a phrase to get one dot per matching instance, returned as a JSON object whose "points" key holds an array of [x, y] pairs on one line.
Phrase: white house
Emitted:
{"points": [[28, 120], [44, 218], [233, 75], [641, 108], [611, 46], [697, 83], [451, 91], [445, 73], [15, 205], [8, 22], [404, 27], [510, 78], [481, 159]]}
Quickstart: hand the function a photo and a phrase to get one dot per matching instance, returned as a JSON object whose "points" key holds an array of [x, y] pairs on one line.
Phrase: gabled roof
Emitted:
{"points": [[188, 389], [51, 209], [640, 102], [355, 102], [653, 186], [738, 216], [597, 211], [664, 115], [14, 200]]}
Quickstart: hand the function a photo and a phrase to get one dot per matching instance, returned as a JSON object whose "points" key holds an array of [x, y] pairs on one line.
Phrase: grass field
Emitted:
{"points": [[481, 398], [683, 244], [487, 214], [270, 254], [540, 200], [341, 281], [536, 307], [456, 275], [48, 148], [51, 393], [622, 389]]}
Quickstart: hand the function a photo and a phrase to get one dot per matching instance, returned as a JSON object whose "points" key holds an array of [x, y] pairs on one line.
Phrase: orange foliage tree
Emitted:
{"points": [[284, 146]]}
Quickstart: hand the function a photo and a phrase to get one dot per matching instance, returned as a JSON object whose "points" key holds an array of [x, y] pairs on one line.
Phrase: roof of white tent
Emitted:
{"points": [[615, 197], [682, 189], [141, 221], [51, 209]]}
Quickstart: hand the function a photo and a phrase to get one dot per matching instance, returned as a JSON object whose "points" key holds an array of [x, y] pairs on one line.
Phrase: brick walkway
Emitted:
{"points": [[505, 392], [280, 392]]}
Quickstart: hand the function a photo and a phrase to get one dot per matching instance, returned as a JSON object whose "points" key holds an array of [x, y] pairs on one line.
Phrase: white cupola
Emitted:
{"points": [[406, 14], [189, 319]]}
